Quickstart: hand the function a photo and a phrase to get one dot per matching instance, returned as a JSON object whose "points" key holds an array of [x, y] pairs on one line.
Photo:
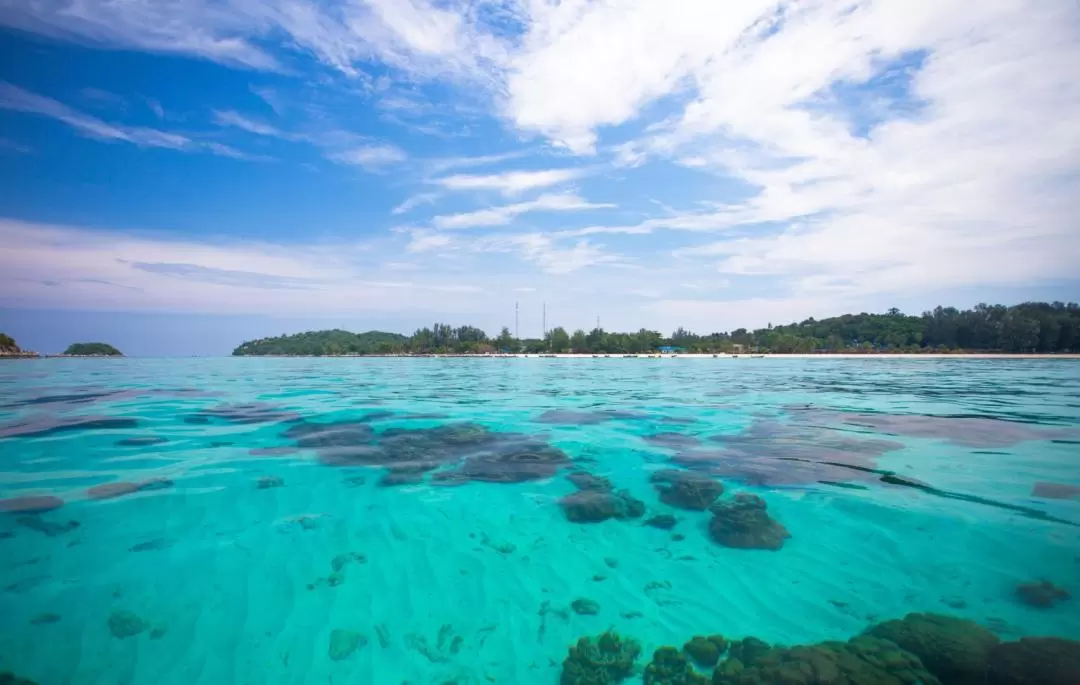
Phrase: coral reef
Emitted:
{"points": [[669, 666], [686, 489], [344, 642], [267, 482], [662, 521], [244, 413], [594, 506], [1041, 594], [953, 649], [30, 504], [861, 661], [705, 651], [585, 607], [1035, 661], [743, 522], [49, 528], [124, 624], [602, 660], [584, 480]]}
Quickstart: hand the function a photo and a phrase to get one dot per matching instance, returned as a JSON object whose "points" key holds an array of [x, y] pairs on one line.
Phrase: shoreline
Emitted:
{"points": [[719, 355]]}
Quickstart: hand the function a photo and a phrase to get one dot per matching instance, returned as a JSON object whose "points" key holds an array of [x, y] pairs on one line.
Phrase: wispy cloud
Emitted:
{"points": [[499, 216], [259, 128], [370, 157], [120, 271], [20, 100], [510, 182], [548, 253], [8, 145], [413, 202], [444, 164]]}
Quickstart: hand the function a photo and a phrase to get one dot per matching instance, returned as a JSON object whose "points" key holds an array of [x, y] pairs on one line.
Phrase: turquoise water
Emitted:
{"points": [[214, 561]]}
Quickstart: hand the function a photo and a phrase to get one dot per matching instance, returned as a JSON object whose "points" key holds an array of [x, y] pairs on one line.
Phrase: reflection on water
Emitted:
{"points": [[667, 521]]}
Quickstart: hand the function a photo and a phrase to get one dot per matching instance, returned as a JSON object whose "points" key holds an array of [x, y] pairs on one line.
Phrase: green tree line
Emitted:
{"points": [[1028, 327]]}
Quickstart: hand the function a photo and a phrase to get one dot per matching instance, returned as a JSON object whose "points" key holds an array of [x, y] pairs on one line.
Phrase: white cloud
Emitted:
{"points": [[499, 216], [219, 31], [547, 253], [423, 241], [438, 166], [510, 182], [963, 171], [111, 271], [970, 178], [370, 157], [414, 201]]}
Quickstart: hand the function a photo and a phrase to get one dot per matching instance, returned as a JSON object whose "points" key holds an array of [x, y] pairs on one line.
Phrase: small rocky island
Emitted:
{"points": [[92, 349], [10, 349]]}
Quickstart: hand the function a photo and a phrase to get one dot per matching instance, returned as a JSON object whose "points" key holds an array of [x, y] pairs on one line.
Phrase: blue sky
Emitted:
{"points": [[179, 175]]}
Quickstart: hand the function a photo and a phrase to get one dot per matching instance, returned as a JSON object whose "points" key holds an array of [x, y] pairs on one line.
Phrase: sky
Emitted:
{"points": [[177, 176]]}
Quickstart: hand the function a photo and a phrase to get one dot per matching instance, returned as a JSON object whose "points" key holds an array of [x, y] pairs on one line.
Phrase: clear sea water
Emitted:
{"points": [[193, 573]]}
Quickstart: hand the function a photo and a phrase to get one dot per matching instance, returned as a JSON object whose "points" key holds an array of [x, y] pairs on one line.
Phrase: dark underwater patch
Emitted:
{"points": [[964, 430], [44, 426], [575, 417], [1056, 491], [242, 413]]}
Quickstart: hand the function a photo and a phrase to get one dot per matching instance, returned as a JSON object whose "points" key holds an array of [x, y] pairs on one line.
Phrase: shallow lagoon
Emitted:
{"points": [[247, 513]]}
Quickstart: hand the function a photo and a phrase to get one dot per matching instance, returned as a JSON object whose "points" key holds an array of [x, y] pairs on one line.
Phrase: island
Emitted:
{"points": [[92, 349], [1031, 328], [11, 350]]}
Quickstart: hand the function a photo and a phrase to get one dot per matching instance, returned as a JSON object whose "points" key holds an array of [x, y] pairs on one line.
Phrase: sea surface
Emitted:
{"points": [[246, 520]]}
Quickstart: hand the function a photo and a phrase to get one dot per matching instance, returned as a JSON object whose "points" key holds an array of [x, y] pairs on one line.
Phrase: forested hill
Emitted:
{"points": [[319, 343], [92, 349], [1029, 327]]}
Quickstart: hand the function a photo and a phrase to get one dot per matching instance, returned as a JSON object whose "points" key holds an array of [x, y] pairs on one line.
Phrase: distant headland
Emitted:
{"points": [[1031, 328]]}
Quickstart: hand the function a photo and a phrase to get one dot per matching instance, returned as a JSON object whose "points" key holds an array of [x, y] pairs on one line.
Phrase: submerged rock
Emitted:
{"points": [[124, 624], [142, 441], [742, 522], [342, 560], [602, 660], [1041, 594], [242, 413], [392, 479], [45, 618], [686, 489], [593, 506], [121, 488], [953, 649], [705, 651], [30, 504], [585, 607], [517, 464], [112, 490], [669, 666], [344, 642], [9, 678], [267, 482], [49, 528], [861, 661], [582, 480], [662, 521], [1035, 661]]}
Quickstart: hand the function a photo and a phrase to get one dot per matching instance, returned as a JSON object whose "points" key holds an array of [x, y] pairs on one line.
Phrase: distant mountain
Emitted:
{"points": [[92, 349], [324, 343]]}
